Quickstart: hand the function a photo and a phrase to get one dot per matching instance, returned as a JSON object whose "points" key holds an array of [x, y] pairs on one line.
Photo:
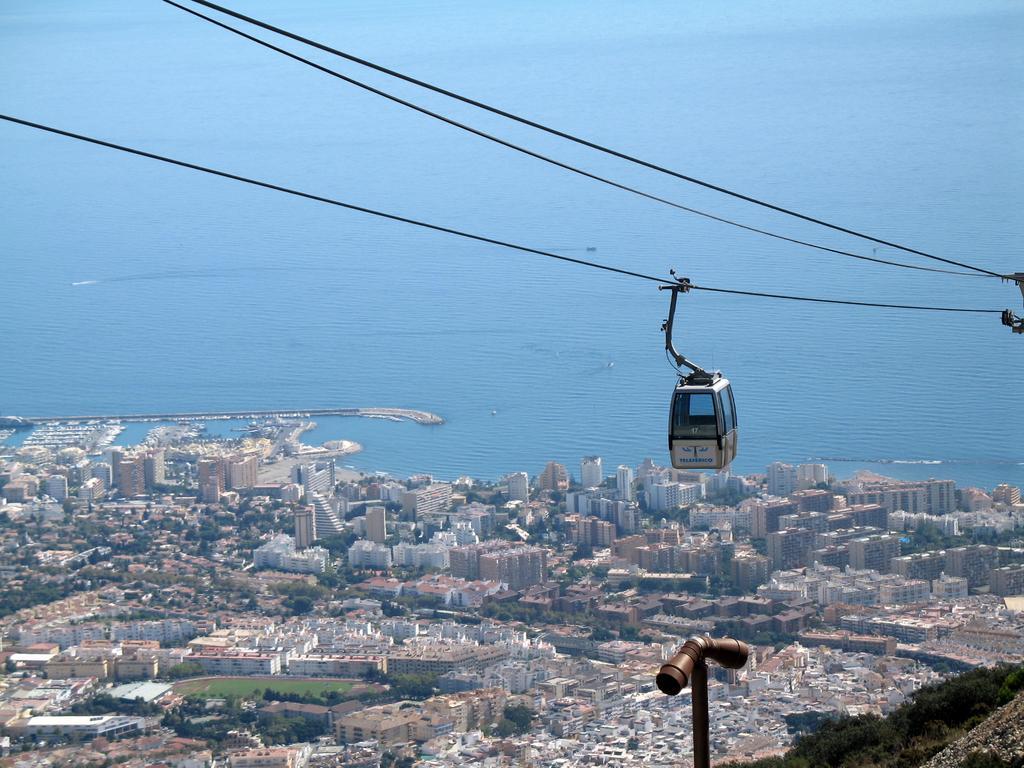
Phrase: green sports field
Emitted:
{"points": [[251, 687]]}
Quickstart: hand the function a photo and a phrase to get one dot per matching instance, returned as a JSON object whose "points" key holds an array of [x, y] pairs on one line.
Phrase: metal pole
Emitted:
{"points": [[699, 693]]}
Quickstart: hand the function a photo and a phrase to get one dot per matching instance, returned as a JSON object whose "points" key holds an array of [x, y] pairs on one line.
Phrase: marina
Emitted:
{"points": [[89, 435]]}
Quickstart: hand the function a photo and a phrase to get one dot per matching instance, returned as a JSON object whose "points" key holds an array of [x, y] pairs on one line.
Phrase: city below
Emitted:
{"points": [[244, 600]]}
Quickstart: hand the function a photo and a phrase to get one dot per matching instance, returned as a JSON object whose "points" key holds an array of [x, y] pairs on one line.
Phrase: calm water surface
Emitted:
{"points": [[129, 286]]}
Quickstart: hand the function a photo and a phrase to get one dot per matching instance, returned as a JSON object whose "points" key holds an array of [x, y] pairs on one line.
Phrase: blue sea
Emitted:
{"points": [[130, 286]]}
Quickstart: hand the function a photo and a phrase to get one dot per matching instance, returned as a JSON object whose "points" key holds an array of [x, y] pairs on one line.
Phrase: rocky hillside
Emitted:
{"points": [[974, 720], [1000, 737]]}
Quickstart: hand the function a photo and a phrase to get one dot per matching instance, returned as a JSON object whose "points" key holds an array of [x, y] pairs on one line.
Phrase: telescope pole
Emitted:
{"points": [[699, 694]]}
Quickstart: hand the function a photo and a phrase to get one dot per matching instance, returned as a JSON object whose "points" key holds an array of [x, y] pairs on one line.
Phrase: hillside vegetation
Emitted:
{"points": [[933, 718]]}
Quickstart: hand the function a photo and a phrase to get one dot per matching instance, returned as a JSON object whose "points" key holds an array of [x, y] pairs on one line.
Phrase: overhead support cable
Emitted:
{"points": [[450, 230], [548, 159], [583, 142]]}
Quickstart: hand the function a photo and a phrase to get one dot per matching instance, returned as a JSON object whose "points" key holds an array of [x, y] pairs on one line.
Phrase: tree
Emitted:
{"points": [[298, 605], [185, 669], [520, 718]]}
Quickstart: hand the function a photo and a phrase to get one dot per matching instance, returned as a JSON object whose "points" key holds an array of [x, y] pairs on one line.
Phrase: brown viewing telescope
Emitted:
{"points": [[688, 667]]}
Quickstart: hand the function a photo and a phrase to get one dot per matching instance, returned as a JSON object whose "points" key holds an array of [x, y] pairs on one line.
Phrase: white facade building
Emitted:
{"points": [[430, 555], [519, 486], [56, 487], [281, 555], [667, 496], [782, 479], [369, 554], [810, 475], [624, 482], [591, 472]]}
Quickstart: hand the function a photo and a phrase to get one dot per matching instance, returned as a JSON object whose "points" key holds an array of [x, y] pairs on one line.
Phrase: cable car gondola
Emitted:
{"points": [[703, 430]]}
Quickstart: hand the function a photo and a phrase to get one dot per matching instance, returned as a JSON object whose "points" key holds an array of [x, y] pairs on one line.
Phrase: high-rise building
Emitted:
{"points": [[1008, 580], [975, 563], [519, 486], [154, 468], [868, 514], [102, 471], [921, 565], [790, 548], [519, 567], [553, 478], [326, 519], [91, 490], [242, 472], [305, 527], [590, 531], [317, 477], [432, 499], [369, 554], [765, 516], [834, 556], [874, 553], [464, 560], [749, 571], [814, 521], [1006, 494], [211, 479], [56, 487], [936, 497], [129, 474], [624, 482], [376, 524], [813, 500], [811, 475], [591, 472], [668, 496], [782, 479], [115, 456]]}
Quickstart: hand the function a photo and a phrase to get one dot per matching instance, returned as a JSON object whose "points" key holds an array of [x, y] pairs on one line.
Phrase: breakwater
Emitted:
{"points": [[393, 414]]}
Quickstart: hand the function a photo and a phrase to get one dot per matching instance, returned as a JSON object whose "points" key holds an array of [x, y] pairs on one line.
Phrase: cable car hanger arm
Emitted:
{"points": [[1015, 324], [698, 375]]}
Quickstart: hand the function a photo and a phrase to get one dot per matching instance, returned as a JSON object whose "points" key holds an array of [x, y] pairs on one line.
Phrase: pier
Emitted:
{"points": [[393, 414]]}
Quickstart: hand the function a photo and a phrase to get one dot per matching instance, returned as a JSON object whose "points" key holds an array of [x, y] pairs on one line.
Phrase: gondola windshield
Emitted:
{"points": [[694, 415]]}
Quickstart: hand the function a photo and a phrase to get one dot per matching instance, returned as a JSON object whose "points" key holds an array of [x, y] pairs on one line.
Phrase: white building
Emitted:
{"points": [[911, 521], [433, 499], [902, 593], [431, 555], [103, 472], [464, 533], [519, 486], [86, 727], [162, 630], [327, 521], [667, 496], [369, 554], [92, 489], [242, 472], [949, 587], [810, 475], [591, 472], [391, 491], [281, 555], [56, 487], [624, 482], [782, 479], [318, 477], [242, 663]]}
